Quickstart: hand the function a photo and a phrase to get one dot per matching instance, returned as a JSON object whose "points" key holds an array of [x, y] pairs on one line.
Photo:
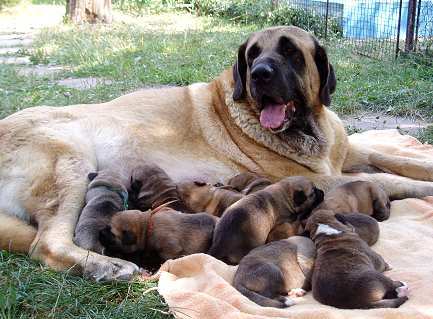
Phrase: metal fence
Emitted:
{"points": [[378, 29]]}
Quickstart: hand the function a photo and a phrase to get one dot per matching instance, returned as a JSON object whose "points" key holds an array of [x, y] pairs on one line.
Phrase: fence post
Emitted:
{"points": [[417, 25], [326, 19], [410, 30], [397, 45]]}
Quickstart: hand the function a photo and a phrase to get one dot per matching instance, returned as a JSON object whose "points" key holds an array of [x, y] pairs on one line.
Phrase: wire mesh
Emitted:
{"points": [[378, 29]]}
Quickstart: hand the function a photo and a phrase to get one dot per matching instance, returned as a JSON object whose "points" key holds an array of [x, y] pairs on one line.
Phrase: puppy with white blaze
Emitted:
{"points": [[347, 272]]}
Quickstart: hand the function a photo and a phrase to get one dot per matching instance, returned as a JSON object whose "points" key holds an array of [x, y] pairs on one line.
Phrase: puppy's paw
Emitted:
{"points": [[109, 269], [296, 292], [287, 301], [402, 291]]}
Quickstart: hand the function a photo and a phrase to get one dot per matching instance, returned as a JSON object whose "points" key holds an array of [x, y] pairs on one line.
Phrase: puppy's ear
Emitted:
{"points": [[240, 74], [106, 237], [342, 219], [299, 198], [128, 238], [328, 81], [91, 176]]}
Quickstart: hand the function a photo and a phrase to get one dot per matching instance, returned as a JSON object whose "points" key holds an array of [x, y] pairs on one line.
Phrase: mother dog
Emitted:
{"points": [[267, 115]]}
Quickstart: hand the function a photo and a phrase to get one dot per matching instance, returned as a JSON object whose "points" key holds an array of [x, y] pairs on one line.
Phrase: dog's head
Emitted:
{"points": [[327, 223], [285, 75], [124, 234], [195, 195], [302, 193]]}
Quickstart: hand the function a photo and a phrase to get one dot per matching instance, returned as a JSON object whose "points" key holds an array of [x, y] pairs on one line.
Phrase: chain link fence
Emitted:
{"points": [[378, 29]]}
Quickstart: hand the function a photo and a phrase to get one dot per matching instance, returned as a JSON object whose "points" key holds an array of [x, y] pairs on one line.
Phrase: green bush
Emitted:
{"points": [[259, 12], [8, 3]]}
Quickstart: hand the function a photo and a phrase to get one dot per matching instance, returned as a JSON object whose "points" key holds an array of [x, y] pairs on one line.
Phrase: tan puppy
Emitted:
{"points": [[358, 197], [203, 197], [166, 232], [268, 272], [151, 187], [248, 222], [347, 272], [106, 195], [247, 183]]}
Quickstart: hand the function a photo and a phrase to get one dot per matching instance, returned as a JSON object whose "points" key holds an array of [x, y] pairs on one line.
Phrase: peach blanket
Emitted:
{"points": [[199, 286]]}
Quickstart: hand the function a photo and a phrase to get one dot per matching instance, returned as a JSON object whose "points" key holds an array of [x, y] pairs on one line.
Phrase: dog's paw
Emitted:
{"points": [[109, 269], [296, 292], [402, 291], [288, 302]]}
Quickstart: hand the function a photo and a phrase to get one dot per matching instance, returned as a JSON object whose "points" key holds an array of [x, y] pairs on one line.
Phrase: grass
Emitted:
{"points": [[166, 49], [29, 290]]}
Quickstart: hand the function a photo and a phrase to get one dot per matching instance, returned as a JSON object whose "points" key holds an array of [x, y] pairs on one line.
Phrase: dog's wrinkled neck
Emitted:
{"points": [[298, 145]]}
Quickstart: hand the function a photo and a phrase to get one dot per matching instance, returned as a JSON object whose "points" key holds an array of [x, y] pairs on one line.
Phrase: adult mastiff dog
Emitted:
{"points": [[268, 114]]}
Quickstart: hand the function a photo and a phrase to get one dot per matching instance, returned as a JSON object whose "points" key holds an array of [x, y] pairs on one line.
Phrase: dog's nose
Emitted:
{"points": [[262, 72]]}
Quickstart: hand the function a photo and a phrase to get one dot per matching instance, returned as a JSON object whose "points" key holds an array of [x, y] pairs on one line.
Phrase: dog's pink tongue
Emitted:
{"points": [[272, 116]]}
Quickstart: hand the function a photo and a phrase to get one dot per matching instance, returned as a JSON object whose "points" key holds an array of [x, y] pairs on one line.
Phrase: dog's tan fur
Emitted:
{"points": [[247, 183], [199, 197], [358, 197], [194, 132]]}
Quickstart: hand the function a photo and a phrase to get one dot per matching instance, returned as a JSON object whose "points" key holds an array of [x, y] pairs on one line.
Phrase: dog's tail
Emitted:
{"points": [[15, 234], [279, 302]]}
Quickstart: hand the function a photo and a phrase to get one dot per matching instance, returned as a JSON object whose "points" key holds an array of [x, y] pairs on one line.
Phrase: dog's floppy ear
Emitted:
{"points": [[91, 176], [106, 236], [328, 81], [240, 74], [299, 198]]}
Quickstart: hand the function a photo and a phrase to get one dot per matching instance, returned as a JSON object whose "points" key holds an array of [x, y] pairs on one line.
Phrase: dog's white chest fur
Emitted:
{"points": [[327, 230]]}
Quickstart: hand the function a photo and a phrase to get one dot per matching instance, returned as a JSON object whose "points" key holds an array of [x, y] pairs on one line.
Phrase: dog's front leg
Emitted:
{"points": [[53, 244]]}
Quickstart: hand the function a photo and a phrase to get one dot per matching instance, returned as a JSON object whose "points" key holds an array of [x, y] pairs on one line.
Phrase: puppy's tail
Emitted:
{"points": [[279, 302], [15, 234]]}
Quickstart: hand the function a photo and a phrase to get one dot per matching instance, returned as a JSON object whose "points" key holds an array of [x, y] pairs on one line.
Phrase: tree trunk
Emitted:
{"points": [[91, 11]]}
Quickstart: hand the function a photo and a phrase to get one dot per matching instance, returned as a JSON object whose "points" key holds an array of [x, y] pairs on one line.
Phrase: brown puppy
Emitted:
{"points": [[358, 197], [204, 197], [247, 183], [285, 230], [105, 196], [347, 272], [248, 222], [276, 269], [365, 226], [166, 232], [151, 187]]}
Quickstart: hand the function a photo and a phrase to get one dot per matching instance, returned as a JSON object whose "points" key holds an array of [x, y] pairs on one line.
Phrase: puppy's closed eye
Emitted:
{"points": [[199, 183], [299, 198], [128, 238]]}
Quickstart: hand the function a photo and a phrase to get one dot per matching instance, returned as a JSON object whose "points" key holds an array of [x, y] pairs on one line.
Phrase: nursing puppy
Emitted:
{"points": [[365, 226], [247, 183], [358, 197], [204, 197], [105, 196], [283, 267], [347, 272], [247, 223], [165, 232], [151, 187]]}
